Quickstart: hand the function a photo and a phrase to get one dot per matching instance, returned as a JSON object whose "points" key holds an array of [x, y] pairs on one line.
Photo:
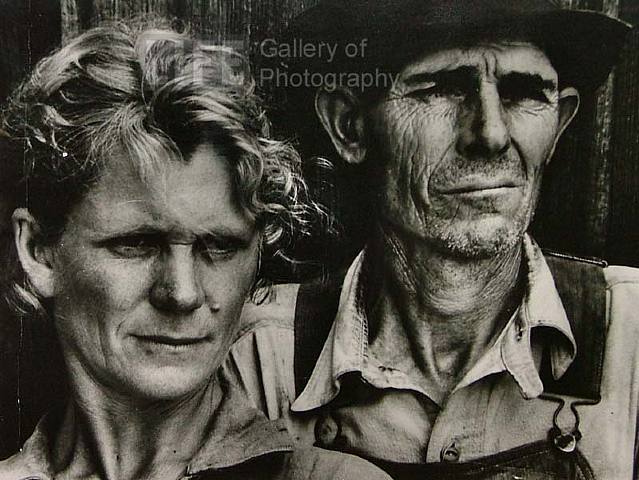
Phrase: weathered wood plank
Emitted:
{"points": [[28, 30], [623, 239], [575, 207]]}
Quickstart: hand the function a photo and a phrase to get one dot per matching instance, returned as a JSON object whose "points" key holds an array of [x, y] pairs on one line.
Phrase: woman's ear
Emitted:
{"points": [[339, 111], [35, 258]]}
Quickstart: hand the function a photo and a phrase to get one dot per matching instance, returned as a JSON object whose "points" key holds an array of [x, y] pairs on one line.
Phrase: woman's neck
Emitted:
{"points": [[110, 436]]}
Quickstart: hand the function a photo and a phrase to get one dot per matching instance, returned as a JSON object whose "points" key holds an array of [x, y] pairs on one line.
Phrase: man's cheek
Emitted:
{"points": [[535, 139]]}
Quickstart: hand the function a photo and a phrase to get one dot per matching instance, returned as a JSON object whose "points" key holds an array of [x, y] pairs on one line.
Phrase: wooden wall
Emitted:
{"points": [[590, 204], [28, 29]]}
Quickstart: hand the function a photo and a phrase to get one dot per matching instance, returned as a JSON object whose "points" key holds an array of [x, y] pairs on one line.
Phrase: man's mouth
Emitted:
{"points": [[478, 187]]}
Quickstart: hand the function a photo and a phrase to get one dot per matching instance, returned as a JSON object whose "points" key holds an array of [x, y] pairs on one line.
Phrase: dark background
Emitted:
{"points": [[589, 206], [590, 203]]}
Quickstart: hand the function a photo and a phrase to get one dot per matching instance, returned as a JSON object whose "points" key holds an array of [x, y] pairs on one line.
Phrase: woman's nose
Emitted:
{"points": [[177, 286]]}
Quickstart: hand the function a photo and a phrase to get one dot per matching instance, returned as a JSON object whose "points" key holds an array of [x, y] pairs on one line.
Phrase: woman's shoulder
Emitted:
{"points": [[31, 463], [303, 463]]}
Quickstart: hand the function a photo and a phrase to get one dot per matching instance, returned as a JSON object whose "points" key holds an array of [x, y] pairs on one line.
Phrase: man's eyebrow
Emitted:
{"points": [[451, 76], [527, 80]]}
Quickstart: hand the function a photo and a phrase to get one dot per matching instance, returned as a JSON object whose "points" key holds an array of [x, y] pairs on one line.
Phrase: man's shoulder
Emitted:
{"points": [[622, 319], [260, 361], [276, 312], [622, 289], [618, 276], [572, 270]]}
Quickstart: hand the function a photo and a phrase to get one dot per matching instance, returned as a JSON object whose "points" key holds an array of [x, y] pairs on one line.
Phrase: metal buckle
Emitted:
{"points": [[565, 440]]}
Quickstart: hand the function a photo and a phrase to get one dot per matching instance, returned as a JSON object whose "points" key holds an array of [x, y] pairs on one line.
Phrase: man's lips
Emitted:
{"points": [[477, 187]]}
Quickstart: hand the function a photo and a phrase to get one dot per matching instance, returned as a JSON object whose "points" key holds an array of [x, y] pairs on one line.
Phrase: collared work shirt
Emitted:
{"points": [[241, 444], [381, 412]]}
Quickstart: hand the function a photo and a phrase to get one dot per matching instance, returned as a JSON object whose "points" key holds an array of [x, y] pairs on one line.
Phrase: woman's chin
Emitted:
{"points": [[166, 384]]}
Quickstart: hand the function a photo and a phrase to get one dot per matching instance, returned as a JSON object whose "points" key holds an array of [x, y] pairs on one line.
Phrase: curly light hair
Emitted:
{"points": [[151, 94]]}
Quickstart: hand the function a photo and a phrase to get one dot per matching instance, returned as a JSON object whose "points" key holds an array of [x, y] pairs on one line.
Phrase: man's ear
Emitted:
{"points": [[568, 106], [34, 257], [340, 112]]}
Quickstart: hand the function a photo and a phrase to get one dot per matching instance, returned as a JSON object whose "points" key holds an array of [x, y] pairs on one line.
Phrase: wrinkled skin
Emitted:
{"points": [[149, 278], [462, 139]]}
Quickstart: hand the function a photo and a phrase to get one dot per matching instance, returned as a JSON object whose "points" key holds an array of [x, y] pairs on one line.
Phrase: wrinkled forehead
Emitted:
{"points": [[183, 198], [488, 58]]}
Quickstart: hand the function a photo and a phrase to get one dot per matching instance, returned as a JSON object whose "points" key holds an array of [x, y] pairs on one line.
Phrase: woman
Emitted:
{"points": [[150, 195]]}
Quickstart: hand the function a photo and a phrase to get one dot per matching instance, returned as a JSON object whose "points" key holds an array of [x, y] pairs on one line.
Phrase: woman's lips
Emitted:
{"points": [[171, 340]]}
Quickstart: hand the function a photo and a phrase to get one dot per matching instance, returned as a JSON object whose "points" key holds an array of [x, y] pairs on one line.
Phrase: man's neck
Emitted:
{"points": [[435, 314], [106, 435]]}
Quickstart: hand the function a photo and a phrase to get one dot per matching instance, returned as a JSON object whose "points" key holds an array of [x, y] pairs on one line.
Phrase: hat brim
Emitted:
{"points": [[582, 45]]}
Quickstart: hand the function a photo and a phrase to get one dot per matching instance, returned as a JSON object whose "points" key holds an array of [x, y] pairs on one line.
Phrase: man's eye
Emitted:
{"points": [[521, 95], [439, 90], [133, 246]]}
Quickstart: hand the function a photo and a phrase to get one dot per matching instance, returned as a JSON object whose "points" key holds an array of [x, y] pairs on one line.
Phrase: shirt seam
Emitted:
{"points": [[242, 460], [610, 284], [261, 325]]}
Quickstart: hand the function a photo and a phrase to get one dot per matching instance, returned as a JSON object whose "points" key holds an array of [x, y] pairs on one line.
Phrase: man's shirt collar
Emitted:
{"points": [[346, 348]]}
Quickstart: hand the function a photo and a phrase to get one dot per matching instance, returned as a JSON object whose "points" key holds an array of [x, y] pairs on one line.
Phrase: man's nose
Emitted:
{"points": [[483, 130], [177, 286]]}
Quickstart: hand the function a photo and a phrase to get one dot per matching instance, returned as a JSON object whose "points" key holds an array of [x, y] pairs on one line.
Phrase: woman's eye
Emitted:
{"points": [[133, 247], [214, 248]]}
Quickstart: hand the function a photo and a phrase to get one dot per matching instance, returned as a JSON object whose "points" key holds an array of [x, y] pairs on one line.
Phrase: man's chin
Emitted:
{"points": [[482, 238], [476, 244]]}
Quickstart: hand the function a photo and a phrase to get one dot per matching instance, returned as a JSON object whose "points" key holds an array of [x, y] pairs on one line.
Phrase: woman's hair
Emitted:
{"points": [[148, 95]]}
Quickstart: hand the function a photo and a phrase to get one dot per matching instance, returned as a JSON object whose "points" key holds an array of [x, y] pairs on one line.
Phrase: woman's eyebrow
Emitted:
{"points": [[177, 235]]}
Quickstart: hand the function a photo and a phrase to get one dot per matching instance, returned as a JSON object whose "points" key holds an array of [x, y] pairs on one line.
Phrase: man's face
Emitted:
{"points": [[150, 277], [462, 138]]}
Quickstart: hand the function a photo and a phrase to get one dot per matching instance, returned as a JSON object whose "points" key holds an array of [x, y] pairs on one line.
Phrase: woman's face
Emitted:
{"points": [[150, 277]]}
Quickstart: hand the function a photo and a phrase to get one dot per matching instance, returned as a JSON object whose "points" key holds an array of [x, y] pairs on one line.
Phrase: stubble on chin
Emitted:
{"points": [[473, 245]]}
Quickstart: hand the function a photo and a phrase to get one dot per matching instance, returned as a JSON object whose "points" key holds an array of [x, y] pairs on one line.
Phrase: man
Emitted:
{"points": [[452, 346]]}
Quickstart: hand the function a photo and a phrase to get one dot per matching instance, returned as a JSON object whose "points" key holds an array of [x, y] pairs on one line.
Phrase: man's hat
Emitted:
{"points": [[582, 45]]}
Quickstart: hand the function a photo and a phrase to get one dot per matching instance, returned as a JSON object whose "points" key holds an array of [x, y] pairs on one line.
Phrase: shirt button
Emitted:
{"points": [[326, 431], [450, 454]]}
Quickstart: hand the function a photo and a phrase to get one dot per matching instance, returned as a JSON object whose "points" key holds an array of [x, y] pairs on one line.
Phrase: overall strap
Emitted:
{"points": [[582, 288], [315, 310]]}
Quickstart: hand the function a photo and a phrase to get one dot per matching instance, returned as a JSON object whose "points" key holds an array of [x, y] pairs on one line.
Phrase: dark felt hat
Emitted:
{"points": [[582, 45]]}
